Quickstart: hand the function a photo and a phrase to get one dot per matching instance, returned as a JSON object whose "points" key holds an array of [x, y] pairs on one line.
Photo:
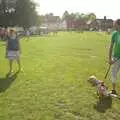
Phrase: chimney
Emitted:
{"points": [[105, 18]]}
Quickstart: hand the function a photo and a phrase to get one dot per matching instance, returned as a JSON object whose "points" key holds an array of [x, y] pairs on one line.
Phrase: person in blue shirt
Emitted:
{"points": [[13, 49]]}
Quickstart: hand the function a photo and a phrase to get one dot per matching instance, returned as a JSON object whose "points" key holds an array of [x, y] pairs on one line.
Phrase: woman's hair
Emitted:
{"points": [[12, 31]]}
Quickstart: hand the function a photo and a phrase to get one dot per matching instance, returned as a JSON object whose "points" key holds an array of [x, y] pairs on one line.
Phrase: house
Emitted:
{"points": [[53, 23], [101, 24], [79, 25], [76, 25]]}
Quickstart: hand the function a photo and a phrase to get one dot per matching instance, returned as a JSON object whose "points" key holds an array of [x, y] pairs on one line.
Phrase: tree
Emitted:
{"points": [[18, 12], [65, 15], [91, 16], [26, 15], [7, 12]]}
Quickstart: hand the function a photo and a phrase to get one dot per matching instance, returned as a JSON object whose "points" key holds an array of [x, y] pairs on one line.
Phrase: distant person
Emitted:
{"points": [[13, 50], [27, 34], [0, 33], [5, 34], [114, 54]]}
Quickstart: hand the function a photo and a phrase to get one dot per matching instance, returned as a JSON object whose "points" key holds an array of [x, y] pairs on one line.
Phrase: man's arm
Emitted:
{"points": [[111, 61]]}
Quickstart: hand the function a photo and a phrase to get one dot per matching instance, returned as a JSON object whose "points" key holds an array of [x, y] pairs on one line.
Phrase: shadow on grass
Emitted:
{"points": [[103, 105], [7, 81]]}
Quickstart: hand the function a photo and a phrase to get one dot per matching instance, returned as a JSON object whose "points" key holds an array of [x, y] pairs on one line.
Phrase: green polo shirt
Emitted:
{"points": [[116, 41]]}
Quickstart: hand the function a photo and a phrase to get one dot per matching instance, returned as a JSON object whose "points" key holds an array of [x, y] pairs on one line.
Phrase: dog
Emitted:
{"points": [[102, 89]]}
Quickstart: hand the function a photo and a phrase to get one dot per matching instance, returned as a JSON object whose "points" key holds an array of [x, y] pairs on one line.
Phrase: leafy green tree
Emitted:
{"points": [[91, 16], [25, 15], [18, 12], [65, 16]]}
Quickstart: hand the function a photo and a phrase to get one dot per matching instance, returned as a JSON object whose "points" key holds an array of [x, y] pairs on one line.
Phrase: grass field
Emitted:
{"points": [[53, 84]]}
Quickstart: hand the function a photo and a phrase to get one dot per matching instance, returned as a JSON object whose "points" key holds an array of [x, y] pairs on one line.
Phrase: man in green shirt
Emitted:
{"points": [[114, 54]]}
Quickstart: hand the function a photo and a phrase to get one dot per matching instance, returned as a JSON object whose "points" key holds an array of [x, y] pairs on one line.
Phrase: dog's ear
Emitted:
{"points": [[102, 83], [92, 77]]}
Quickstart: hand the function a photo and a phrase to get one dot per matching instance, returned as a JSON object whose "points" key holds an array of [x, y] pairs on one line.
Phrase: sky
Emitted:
{"points": [[101, 8]]}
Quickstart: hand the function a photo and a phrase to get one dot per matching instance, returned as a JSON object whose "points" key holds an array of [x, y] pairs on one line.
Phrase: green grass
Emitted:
{"points": [[53, 85]]}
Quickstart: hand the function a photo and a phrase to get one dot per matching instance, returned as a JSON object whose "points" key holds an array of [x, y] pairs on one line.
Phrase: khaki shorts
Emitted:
{"points": [[12, 55]]}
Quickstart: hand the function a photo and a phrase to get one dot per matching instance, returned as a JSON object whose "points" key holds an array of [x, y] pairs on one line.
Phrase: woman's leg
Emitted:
{"points": [[19, 64], [10, 65]]}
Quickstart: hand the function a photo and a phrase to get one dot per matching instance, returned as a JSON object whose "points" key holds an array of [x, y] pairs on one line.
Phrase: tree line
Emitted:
{"points": [[23, 13], [78, 16], [72, 16]]}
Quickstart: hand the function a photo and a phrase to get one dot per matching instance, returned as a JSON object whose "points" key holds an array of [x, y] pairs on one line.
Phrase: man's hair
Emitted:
{"points": [[117, 22]]}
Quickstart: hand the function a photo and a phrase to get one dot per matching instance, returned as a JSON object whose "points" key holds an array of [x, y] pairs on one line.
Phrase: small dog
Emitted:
{"points": [[102, 89]]}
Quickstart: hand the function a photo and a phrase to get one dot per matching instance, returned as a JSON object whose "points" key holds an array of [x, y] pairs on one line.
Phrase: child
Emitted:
{"points": [[13, 49]]}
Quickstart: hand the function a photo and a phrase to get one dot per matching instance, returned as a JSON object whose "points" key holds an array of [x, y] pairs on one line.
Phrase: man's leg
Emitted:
{"points": [[115, 69], [114, 86]]}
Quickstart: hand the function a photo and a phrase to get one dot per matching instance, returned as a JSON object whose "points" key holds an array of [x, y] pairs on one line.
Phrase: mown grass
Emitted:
{"points": [[53, 84]]}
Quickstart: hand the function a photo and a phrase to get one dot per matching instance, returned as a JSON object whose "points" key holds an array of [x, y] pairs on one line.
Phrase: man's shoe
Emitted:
{"points": [[114, 92]]}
